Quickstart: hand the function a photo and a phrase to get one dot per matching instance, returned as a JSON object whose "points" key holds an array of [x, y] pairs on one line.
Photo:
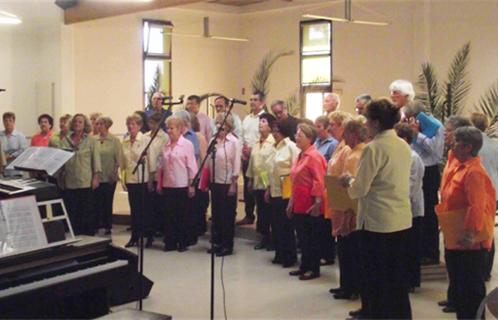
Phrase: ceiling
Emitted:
{"points": [[237, 3]]}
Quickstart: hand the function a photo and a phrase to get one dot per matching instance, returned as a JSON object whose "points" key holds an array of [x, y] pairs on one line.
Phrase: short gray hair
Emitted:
{"points": [[279, 103], [470, 136], [413, 108], [458, 121], [364, 97], [403, 86], [184, 115]]}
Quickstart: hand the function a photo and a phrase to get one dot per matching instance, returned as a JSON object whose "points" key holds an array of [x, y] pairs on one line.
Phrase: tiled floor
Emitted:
{"points": [[254, 288]]}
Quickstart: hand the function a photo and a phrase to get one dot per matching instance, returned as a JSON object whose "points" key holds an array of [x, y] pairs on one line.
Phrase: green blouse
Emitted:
{"points": [[79, 170]]}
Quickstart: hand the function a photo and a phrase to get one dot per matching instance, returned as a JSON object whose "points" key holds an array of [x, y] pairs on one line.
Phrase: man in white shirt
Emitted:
{"points": [[221, 105], [250, 135], [401, 92], [331, 102]]}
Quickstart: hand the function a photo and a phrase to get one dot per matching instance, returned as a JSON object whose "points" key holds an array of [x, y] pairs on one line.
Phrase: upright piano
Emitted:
{"points": [[70, 278], [79, 280]]}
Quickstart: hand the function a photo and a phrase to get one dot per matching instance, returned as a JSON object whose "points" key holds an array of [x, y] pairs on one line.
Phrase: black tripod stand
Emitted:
{"points": [[141, 164], [211, 152]]}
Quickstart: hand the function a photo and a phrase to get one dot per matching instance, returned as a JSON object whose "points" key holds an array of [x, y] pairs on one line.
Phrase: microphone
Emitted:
{"points": [[234, 100]]}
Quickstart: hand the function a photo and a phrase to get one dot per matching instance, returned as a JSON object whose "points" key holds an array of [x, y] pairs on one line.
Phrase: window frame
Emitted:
{"points": [[304, 89], [155, 56]]}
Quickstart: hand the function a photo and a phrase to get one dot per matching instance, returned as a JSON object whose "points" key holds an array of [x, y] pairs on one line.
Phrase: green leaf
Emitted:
{"points": [[457, 86], [261, 78], [293, 104], [488, 102], [430, 92], [155, 86]]}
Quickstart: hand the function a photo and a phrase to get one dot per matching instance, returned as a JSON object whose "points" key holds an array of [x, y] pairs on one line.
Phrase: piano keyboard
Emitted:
{"points": [[61, 278]]}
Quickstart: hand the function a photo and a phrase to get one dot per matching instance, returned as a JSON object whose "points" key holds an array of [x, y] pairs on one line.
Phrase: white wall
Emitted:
{"points": [[29, 64], [6, 67]]}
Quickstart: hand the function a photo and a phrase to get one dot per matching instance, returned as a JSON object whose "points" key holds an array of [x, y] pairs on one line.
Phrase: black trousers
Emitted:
{"points": [[327, 241], [200, 205], [264, 215], [283, 231], [430, 186], [140, 210], [383, 266], [465, 269], [308, 233], [176, 224], [349, 264], [156, 209], [490, 257], [249, 201], [451, 291], [223, 222], [104, 199], [414, 252], [80, 204]]}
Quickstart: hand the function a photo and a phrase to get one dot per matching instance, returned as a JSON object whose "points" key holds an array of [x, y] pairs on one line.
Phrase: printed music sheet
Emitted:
{"points": [[21, 227], [41, 159]]}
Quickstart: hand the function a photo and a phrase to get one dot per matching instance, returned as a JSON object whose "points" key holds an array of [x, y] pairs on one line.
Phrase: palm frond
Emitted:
{"points": [[488, 102], [430, 93], [457, 85], [261, 79], [294, 104]]}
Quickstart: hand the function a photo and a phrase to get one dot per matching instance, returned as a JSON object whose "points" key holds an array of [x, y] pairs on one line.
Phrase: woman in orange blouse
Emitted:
{"points": [[338, 120], [41, 139], [466, 185], [305, 205], [344, 223]]}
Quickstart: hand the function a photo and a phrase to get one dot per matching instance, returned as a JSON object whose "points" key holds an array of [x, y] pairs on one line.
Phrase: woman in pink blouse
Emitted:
{"points": [[305, 205], [224, 186], [175, 173]]}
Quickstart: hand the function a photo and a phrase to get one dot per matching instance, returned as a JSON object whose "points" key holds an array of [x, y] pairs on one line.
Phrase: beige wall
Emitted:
{"points": [[107, 61], [98, 66], [473, 21]]}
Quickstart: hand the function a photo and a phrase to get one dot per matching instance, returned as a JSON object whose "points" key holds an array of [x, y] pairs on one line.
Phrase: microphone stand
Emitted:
{"points": [[141, 164], [211, 151]]}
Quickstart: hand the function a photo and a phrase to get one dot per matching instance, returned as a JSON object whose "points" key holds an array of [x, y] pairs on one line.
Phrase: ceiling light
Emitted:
{"points": [[8, 18]]}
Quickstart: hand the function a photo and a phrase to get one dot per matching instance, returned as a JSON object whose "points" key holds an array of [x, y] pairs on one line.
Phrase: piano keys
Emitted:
{"points": [[81, 280]]}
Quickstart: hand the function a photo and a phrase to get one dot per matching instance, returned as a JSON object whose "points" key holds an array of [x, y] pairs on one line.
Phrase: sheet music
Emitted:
{"points": [[21, 228], [41, 159]]}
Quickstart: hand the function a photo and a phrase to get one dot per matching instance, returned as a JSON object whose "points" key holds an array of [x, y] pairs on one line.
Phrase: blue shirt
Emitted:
{"points": [[192, 137], [430, 149], [149, 110], [13, 144], [326, 147]]}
